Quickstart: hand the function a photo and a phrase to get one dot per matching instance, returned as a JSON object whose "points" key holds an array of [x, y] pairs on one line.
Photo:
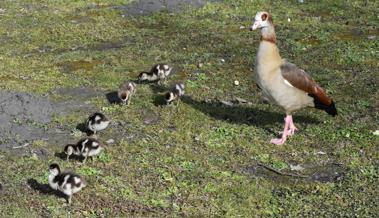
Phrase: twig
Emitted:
{"points": [[21, 146], [281, 173]]}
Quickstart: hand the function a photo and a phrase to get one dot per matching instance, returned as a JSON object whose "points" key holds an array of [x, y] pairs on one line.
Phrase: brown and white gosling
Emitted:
{"points": [[97, 122], [87, 147], [175, 93], [125, 92], [66, 182], [157, 73], [282, 82]]}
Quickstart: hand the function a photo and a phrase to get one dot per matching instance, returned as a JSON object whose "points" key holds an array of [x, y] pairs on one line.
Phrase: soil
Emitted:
{"points": [[147, 7], [25, 118]]}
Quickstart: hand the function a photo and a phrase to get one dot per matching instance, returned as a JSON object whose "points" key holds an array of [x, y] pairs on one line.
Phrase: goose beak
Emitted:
{"points": [[255, 26]]}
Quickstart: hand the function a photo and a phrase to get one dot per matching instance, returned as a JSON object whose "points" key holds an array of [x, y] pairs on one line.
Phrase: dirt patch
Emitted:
{"points": [[331, 172], [25, 118], [147, 7]]}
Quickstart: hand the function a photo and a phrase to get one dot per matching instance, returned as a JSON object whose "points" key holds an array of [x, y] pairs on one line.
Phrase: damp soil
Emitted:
{"points": [[25, 118], [147, 7]]}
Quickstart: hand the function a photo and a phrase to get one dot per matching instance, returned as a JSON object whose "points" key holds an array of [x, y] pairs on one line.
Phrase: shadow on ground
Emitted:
{"points": [[242, 114], [113, 98], [44, 188]]}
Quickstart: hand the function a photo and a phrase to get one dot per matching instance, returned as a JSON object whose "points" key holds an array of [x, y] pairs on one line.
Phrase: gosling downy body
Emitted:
{"points": [[126, 91], [97, 122], [66, 182], [175, 93], [157, 73], [87, 147]]}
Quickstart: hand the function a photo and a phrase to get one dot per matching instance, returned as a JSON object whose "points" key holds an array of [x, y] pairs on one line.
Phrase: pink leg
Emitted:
{"points": [[292, 127], [281, 141]]}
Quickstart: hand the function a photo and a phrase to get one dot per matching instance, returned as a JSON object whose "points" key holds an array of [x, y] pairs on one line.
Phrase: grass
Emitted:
{"points": [[189, 162]]}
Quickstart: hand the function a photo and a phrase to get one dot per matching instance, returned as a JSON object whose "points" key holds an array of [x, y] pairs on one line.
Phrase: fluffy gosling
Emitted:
{"points": [[157, 73], [175, 93], [97, 122], [125, 92], [66, 182], [87, 147]]}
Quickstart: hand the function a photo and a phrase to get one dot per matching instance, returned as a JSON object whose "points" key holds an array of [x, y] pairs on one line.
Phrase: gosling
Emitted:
{"points": [[66, 182], [87, 147]]}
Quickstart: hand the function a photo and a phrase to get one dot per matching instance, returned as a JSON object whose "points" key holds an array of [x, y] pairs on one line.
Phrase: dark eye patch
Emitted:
{"points": [[264, 17]]}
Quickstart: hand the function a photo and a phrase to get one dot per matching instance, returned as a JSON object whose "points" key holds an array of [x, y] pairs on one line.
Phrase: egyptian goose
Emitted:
{"points": [[87, 147], [284, 83], [175, 93], [66, 182], [157, 73], [97, 122], [125, 92]]}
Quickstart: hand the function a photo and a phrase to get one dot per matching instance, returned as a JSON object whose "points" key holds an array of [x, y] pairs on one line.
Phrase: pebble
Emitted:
{"points": [[110, 141], [296, 167], [371, 37]]}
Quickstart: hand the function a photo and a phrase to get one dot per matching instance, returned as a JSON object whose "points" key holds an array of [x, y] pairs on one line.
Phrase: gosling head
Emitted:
{"points": [[54, 169], [69, 149], [143, 76]]}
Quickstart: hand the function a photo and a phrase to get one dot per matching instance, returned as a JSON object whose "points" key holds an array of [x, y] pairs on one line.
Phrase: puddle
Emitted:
{"points": [[356, 34], [147, 7], [71, 66], [312, 173]]}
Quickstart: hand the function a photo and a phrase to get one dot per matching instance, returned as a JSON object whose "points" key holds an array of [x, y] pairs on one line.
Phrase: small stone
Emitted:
{"points": [[376, 132], [289, 19], [197, 138], [371, 37], [227, 103], [222, 60], [241, 100], [236, 82], [110, 141], [200, 65], [296, 167]]}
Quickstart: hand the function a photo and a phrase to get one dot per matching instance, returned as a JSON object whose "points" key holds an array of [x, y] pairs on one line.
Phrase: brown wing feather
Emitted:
{"points": [[301, 80]]}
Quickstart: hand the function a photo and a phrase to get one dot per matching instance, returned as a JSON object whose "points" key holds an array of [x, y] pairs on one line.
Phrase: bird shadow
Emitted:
{"points": [[241, 114], [113, 98], [156, 88], [44, 188], [159, 100], [63, 156], [82, 127]]}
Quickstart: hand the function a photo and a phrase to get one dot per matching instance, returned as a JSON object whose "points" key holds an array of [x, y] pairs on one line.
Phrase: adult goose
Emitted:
{"points": [[282, 82]]}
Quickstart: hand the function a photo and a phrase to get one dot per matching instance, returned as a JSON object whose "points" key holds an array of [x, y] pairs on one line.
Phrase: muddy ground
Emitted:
{"points": [[26, 118], [147, 7]]}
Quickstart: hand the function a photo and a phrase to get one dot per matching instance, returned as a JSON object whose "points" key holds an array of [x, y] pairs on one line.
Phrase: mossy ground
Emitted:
{"points": [[190, 160]]}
